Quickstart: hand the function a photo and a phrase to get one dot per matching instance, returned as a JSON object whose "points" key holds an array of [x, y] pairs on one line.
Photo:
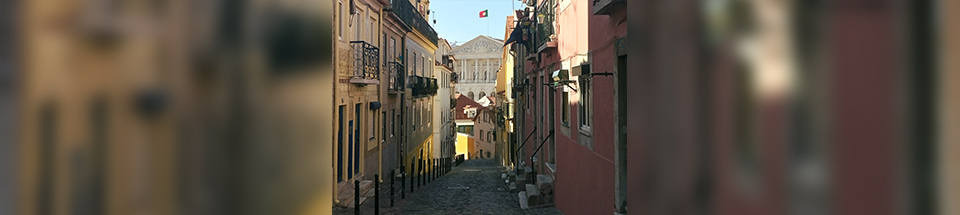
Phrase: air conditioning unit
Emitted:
{"points": [[561, 75]]}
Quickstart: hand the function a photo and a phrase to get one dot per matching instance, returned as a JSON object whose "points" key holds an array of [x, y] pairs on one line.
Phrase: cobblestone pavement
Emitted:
{"points": [[474, 187]]}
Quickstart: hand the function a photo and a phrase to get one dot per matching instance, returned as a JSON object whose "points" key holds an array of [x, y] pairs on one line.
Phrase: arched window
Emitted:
{"points": [[482, 94], [470, 94]]}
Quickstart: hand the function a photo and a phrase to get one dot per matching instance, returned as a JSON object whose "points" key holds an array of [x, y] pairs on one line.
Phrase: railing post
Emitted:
{"points": [[356, 197], [393, 176], [403, 182], [376, 195]]}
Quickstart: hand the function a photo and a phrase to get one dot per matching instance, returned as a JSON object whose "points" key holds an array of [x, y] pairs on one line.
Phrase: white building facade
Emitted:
{"points": [[477, 63], [444, 136]]}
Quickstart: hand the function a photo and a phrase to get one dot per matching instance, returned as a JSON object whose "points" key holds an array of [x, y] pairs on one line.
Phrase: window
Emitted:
{"points": [[565, 108], [373, 30], [466, 129], [481, 135], [393, 123], [340, 145], [383, 126], [586, 100], [385, 50], [371, 125], [356, 140], [416, 116], [393, 49], [357, 29], [340, 19]]}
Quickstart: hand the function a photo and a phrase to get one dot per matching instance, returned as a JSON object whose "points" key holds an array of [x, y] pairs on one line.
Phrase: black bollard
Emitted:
{"points": [[356, 197], [403, 182], [376, 194], [419, 173], [393, 175], [413, 175]]}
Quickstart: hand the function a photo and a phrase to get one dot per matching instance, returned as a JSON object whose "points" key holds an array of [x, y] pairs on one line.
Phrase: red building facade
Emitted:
{"points": [[568, 103]]}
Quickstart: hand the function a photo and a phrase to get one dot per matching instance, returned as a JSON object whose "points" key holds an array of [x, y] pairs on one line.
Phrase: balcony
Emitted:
{"points": [[366, 61], [396, 76], [447, 61], [606, 7], [423, 86], [410, 16], [546, 36]]}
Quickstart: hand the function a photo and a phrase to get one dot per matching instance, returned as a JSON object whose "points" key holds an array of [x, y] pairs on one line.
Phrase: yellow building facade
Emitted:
{"points": [[358, 114]]}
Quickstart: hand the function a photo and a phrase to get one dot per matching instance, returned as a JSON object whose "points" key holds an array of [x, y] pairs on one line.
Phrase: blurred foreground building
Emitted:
{"points": [[740, 107], [172, 107]]}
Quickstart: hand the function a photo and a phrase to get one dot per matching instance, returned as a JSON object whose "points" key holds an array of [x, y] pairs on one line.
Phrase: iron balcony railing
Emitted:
{"points": [[396, 76], [409, 15], [545, 18], [423, 86], [366, 60]]}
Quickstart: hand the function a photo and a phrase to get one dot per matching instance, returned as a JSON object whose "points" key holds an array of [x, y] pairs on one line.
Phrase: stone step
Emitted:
{"points": [[545, 187], [524, 204], [533, 195], [366, 186], [347, 193], [513, 187], [521, 179], [349, 203], [544, 182]]}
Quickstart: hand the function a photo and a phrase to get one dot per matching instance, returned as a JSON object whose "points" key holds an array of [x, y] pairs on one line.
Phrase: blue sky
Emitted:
{"points": [[459, 20]]}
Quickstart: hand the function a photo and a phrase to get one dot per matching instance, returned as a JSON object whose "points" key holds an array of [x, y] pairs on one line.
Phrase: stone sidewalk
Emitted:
{"points": [[474, 187]]}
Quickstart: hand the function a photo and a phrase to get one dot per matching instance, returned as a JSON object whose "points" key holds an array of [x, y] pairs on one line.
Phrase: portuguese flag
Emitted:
{"points": [[484, 14]]}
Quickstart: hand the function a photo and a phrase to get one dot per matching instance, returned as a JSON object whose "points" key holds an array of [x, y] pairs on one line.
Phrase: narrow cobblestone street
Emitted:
{"points": [[474, 187]]}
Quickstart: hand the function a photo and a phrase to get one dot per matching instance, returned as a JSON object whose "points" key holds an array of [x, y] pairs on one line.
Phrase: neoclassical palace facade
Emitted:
{"points": [[477, 63]]}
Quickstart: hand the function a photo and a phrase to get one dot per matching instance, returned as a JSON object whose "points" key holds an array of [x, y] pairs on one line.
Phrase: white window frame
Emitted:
{"points": [[586, 103]]}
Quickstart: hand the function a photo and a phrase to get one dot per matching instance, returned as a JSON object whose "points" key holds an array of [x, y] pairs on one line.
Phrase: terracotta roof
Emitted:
{"points": [[462, 103]]}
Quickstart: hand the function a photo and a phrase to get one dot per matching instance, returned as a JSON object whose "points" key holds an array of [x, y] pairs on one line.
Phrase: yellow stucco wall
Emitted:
{"points": [[464, 145]]}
